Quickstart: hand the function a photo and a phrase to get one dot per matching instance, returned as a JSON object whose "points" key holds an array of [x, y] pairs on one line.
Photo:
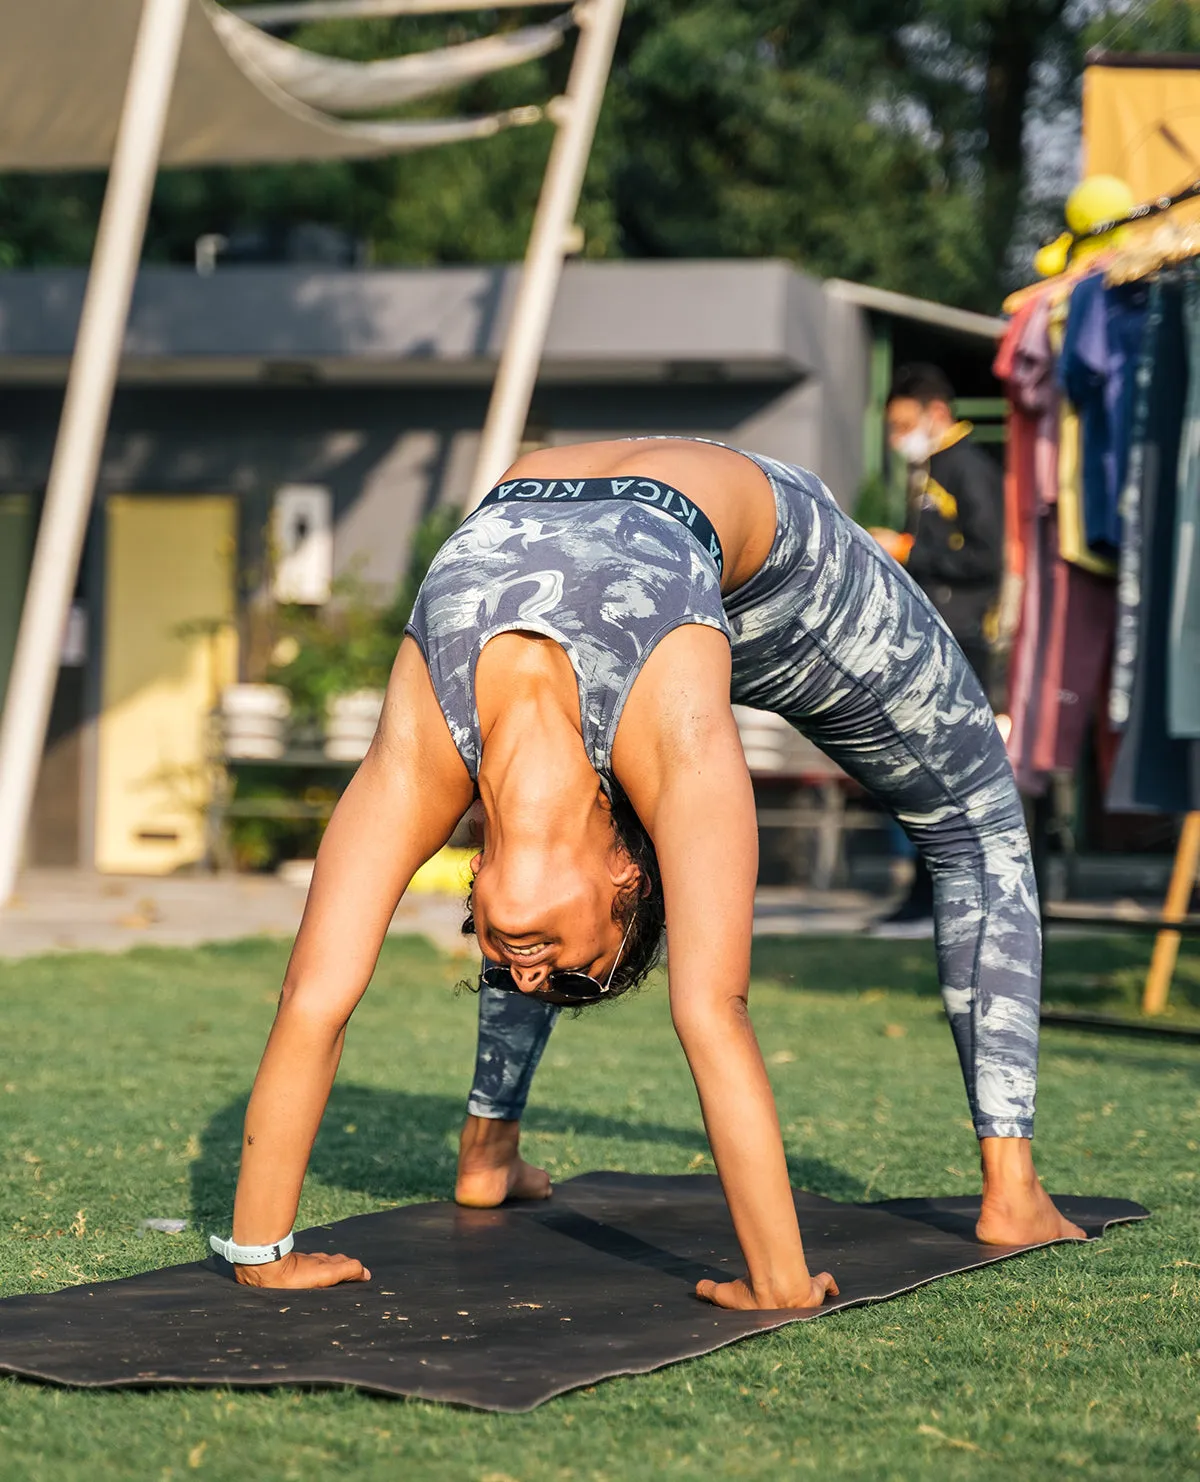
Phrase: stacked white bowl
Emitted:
{"points": [[350, 722], [254, 721]]}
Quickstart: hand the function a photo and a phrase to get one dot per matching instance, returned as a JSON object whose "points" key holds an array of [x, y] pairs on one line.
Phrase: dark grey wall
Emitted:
{"points": [[387, 453]]}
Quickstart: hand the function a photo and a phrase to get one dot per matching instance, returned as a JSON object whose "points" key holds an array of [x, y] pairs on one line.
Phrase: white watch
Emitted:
{"points": [[252, 1255]]}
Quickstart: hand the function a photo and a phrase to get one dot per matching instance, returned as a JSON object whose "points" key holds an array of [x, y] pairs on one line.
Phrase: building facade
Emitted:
{"points": [[365, 392]]}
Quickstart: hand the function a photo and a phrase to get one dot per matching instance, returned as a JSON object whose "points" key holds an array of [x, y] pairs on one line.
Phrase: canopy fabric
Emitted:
{"points": [[360, 87], [63, 69], [299, 12]]}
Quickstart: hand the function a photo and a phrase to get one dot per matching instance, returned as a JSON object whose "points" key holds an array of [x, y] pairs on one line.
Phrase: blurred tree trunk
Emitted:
{"points": [[1018, 33]]}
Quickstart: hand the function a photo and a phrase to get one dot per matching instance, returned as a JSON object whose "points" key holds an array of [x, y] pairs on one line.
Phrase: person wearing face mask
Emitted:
{"points": [[952, 546]]}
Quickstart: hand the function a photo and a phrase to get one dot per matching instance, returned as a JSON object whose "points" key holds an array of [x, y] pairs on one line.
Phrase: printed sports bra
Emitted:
{"points": [[604, 567]]}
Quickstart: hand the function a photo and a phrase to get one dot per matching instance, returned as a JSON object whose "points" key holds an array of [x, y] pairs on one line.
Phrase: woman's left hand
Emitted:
{"points": [[740, 1296]]}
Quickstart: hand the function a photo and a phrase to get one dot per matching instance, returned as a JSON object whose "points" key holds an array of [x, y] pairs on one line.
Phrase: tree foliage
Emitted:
{"points": [[882, 140]]}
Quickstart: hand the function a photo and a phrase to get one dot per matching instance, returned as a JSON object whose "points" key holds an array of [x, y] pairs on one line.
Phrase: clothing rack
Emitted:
{"points": [[1142, 258], [1186, 869], [1145, 211]]}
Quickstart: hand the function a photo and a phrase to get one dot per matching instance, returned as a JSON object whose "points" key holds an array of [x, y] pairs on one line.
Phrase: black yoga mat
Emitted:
{"points": [[498, 1309]]}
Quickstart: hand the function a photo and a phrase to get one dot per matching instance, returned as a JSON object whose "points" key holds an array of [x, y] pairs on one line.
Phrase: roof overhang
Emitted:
{"points": [[613, 322], [921, 310]]}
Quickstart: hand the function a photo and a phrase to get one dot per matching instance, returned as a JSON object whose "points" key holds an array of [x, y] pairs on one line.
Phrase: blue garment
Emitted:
{"points": [[1097, 370], [1126, 323], [835, 637], [1128, 636], [1154, 772]]}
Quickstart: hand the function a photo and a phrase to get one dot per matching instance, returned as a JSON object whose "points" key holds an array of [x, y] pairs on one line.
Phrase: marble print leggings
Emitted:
{"points": [[835, 637]]}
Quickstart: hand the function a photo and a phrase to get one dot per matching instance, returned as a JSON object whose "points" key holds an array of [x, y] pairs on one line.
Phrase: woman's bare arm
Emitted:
{"points": [[400, 808], [680, 761]]}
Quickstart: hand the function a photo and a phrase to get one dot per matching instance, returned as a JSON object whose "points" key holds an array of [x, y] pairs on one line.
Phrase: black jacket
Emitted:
{"points": [[956, 519]]}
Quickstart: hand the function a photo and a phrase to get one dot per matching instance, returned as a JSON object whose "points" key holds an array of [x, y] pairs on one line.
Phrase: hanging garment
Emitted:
{"points": [[1155, 772], [1023, 412], [1028, 371], [1021, 432], [1076, 656], [1021, 427], [1072, 536], [1129, 573], [1126, 321], [1099, 357], [1069, 495], [1183, 643], [1083, 373]]}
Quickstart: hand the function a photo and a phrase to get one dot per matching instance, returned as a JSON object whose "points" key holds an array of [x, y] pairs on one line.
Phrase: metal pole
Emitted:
{"points": [[86, 407], [575, 113]]}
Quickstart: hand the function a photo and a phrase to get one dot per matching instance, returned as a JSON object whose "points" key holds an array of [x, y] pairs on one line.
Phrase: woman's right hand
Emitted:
{"points": [[301, 1272]]}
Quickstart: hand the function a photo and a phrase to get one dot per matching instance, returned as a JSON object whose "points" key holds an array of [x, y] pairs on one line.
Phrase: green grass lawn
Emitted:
{"points": [[121, 1094]]}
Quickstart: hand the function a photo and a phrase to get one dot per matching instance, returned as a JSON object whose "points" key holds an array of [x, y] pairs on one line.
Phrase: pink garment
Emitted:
{"points": [[1019, 444], [1027, 357], [1050, 661]]}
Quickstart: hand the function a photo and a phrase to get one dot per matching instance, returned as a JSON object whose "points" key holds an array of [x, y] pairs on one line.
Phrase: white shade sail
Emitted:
{"points": [[361, 87], [128, 85], [64, 65]]}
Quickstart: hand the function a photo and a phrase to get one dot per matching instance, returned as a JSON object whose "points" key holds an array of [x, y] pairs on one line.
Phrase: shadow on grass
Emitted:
{"points": [[397, 1146], [1153, 1057], [1094, 972]]}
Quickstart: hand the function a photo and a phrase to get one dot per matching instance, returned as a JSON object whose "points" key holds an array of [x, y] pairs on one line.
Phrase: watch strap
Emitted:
{"points": [[252, 1255]]}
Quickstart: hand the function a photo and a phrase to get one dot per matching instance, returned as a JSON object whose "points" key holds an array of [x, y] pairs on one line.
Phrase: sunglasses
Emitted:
{"points": [[569, 990]]}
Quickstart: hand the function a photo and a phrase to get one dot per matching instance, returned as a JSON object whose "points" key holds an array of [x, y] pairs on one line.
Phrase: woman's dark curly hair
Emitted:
{"points": [[638, 908]]}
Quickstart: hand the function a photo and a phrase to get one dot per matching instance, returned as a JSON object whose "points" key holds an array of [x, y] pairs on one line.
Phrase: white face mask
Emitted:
{"points": [[917, 446]]}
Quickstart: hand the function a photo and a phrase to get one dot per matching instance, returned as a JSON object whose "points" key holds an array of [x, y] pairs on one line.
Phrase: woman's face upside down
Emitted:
{"points": [[539, 910]]}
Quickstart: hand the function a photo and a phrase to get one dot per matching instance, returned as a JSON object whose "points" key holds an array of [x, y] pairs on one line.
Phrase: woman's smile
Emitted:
{"points": [[525, 954]]}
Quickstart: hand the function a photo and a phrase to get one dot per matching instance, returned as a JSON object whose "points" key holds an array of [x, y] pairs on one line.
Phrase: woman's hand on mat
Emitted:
{"points": [[740, 1296], [304, 1271]]}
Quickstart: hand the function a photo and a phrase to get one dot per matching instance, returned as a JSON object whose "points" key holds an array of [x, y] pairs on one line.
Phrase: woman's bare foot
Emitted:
{"points": [[741, 1296], [1016, 1209], [491, 1170]]}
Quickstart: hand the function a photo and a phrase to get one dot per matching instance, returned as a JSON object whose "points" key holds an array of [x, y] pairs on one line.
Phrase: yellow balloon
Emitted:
{"points": [[1051, 259], [1098, 198]]}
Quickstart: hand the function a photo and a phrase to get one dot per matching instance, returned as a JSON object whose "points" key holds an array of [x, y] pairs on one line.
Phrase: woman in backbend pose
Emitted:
{"points": [[571, 661]]}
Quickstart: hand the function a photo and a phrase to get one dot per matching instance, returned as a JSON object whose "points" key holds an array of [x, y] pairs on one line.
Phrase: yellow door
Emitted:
{"points": [[169, 646], [17, 524]]}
